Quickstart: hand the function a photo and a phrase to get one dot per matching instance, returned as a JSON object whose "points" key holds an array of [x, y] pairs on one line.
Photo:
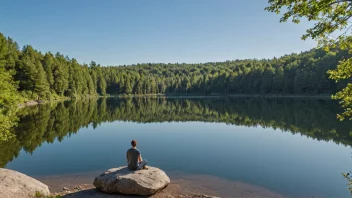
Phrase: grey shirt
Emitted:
{"points": [[132, 158]]}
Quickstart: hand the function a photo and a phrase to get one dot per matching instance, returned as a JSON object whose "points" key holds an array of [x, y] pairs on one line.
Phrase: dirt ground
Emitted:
{"points": [[182, 185]]}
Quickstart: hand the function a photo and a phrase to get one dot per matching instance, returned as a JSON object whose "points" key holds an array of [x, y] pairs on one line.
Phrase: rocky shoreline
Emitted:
{"points": [[81, 186], [181, 185], [116, 182], [82, 192]]}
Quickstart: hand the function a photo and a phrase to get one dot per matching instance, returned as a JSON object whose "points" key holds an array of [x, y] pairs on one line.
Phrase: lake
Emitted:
{"points": [[293, 146]]}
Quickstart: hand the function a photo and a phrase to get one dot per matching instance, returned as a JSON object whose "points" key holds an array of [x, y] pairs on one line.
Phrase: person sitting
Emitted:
{"points": [[134, 158]]}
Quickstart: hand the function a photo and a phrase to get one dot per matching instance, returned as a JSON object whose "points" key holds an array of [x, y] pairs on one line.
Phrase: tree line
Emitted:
{"points": [[55, 121], [48, 75]]}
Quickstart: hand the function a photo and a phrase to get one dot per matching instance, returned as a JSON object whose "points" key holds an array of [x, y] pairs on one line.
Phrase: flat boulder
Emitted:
{"points": [[124, 181], [16, 184]]}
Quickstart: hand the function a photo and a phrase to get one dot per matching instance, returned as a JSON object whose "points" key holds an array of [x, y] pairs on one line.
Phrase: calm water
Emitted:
{"points": [[292, 146]]}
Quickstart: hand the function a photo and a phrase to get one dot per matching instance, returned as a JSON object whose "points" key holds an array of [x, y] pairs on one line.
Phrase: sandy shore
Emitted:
{"points": [[182, 185]]}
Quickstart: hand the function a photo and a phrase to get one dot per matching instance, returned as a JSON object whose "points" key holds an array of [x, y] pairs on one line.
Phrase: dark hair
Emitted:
{"points": [[134, 143]]}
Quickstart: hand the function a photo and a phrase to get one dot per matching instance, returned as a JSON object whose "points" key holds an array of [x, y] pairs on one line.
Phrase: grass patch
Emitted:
{"points": [[41, 195]]}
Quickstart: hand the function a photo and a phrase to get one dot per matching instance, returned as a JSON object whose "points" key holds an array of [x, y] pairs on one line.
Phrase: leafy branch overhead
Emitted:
{"points": [[331, 29]]}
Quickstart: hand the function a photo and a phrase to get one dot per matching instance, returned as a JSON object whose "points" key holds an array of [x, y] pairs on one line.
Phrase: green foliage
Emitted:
{"points": [[29, 74], [7, 105], [47, 76], [344, 71], [348, 176], [41, 195], [8, 95], [332, 29]]}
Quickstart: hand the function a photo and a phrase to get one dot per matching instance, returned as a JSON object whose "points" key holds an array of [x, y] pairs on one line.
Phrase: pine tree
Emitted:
{"points": [[41, 85], [47, 63]]}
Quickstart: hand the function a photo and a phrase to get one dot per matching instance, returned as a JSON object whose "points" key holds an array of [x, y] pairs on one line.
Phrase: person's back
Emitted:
{"points": [[134, 158]]}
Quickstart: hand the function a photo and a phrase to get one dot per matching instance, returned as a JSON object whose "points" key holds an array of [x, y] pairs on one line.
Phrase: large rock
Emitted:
{"points": [[123, 181], [14, 184]]}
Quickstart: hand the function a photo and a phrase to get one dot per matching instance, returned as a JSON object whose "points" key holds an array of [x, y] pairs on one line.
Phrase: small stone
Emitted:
{"points": [[65, 189], [203, 196], [78, 188]]}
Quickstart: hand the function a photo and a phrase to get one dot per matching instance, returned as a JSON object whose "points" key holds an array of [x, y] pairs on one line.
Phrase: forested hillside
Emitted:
{"points": [[30, 74], [48, 75]]}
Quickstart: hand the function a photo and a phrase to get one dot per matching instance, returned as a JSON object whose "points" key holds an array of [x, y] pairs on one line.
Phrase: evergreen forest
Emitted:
{"points": [[28, 74]]}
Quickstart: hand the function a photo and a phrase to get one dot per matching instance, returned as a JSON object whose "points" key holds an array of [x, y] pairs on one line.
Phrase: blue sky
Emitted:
{"points": [[116, 32]]}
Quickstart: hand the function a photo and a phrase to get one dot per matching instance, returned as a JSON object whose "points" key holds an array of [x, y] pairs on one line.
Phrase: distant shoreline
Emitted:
{"points": [[223, 96], [39, 102]]}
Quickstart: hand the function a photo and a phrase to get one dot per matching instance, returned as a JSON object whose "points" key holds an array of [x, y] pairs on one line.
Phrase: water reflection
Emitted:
{"points": [[46, 123]]}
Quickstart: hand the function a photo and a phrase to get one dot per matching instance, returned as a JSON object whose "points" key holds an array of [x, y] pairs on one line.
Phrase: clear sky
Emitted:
{"points": [[116, 32]]}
